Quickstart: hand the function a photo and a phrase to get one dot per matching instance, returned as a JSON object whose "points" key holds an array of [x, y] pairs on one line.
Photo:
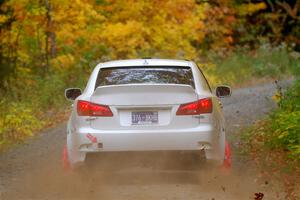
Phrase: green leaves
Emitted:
{"points": [[17, 123], [281, 131]]}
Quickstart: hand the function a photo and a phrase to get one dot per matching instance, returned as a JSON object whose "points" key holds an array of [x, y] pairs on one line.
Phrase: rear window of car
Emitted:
{"points": [[145, 75]]}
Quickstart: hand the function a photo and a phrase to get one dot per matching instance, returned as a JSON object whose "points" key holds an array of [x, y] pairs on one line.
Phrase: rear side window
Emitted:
{"points": [[141, 75]]}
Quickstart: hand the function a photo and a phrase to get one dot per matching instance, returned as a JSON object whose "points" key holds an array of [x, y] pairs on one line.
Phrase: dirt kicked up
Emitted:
{"points": [[34, 170]]}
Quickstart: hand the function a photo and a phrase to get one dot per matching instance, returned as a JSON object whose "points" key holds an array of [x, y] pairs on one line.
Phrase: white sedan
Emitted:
{"points": [[146, 105]]}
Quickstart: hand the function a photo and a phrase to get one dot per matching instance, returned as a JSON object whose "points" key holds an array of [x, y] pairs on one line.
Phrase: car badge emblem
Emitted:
{"points": [[145, 62]]}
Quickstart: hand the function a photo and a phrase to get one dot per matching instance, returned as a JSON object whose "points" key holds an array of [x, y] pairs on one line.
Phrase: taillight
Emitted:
{"points": [[195, 108], [85, 108]]}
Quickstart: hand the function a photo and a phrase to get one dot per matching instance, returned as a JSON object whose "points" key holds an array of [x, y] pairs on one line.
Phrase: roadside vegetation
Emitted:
{"points": [[243, 65], [280, 130], [274, 142], [47, 46]]}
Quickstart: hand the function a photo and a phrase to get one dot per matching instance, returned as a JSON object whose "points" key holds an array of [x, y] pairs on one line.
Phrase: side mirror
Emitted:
{"points": [[72, 93], [223, 91]]}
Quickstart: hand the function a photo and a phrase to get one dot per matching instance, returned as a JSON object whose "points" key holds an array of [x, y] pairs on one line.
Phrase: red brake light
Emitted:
{"points": [[85, 108], [195, 108]]}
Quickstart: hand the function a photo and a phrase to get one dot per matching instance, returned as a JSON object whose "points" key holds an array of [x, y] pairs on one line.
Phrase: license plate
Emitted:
{"points": [[141, 118]]}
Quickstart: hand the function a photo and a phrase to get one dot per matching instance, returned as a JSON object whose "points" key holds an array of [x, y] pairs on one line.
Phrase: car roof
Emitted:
{"points": [[144, 62]]}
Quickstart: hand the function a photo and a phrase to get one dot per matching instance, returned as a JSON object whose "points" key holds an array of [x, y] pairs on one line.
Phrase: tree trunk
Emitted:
{"points": [[50, 34], [292, 12]]}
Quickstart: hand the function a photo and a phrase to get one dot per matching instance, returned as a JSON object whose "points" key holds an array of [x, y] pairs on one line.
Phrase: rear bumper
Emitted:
{"points": [[91, 140]]}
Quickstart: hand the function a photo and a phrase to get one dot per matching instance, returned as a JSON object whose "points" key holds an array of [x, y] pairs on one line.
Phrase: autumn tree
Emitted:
{"points": [[42, 37]]}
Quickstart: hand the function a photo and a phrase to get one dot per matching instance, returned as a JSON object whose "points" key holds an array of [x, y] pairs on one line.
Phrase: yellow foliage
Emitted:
{"points": [[18, 124], [165, 32], [250, 8], [277, 96], [86, 30], [3, 19], [63, 62], [121, 29]]}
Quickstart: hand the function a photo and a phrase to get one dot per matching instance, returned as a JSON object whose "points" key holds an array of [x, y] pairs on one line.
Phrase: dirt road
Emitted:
{"points": [[34, 170]]}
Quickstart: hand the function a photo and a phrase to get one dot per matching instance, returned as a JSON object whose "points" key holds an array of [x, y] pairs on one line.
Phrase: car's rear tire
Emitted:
{"points": [[224, 164]]}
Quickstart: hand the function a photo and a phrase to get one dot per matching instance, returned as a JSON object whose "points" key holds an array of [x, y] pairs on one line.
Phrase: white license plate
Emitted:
{"points": [[145, 117]]}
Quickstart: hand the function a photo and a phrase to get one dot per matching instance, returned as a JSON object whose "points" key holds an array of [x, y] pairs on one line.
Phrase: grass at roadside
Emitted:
{"points": [[31, 106], [274, 143], [243, 66]]}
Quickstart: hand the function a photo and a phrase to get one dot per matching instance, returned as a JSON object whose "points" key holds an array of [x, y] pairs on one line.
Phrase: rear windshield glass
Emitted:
{"points": [[149, 74]]}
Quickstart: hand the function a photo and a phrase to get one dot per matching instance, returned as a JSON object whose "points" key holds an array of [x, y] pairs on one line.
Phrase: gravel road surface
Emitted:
{"points": [[34, 170]]}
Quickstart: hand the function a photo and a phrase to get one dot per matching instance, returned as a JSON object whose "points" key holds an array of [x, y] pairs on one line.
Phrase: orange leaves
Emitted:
{"points": [[229, 40], [230, 19], [219, 26], [180, 10]]}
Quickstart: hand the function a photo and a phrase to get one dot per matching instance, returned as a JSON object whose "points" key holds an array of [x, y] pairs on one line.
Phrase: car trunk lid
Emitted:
{"points": [[144, 106]]}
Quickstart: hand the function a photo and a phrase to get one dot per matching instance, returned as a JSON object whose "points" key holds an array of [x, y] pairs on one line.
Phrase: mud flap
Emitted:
{"points": [[65, 159], [227, 159]]}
